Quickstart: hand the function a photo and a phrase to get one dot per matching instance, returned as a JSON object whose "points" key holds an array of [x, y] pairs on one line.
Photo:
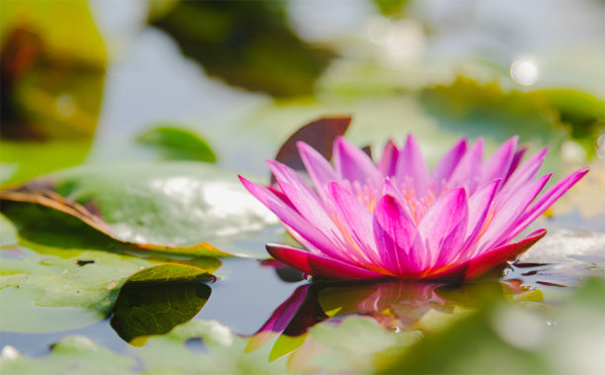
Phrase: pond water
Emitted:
{"points": [[149, 82]]}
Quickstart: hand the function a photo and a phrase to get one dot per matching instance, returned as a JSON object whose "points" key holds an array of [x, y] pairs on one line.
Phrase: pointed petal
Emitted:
{"points": [[319, 169], [411, 164], [397, 238], [319, 266], [305, 200], [468, 172], [546, 200], [353, 164], [292, 219], [506, 214], [515, 162], [524, 173], [498, 257], [478, 208], [356, 220], [448, 164], [388, 160], [441, 220], [499, 163]]}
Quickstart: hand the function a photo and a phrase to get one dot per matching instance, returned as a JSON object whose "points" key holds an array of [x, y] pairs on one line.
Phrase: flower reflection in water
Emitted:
{"points": [[397, 305]]}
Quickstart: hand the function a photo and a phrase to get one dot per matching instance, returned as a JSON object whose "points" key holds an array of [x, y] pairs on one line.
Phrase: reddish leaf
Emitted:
{"points": [[319, 134]]}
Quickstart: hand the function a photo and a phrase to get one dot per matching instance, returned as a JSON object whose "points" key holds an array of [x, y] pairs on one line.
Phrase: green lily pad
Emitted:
{"points": [[177, 144], [177, 207], [48, 291], [170, 272], [51, 289], [144, 309], [72, 355]]}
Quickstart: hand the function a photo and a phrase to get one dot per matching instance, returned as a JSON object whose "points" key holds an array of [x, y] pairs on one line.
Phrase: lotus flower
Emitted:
{"points": [[396, 219]]}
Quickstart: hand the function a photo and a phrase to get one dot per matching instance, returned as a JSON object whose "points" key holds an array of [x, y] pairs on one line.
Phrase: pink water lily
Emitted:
{"points": [[396, 219]]}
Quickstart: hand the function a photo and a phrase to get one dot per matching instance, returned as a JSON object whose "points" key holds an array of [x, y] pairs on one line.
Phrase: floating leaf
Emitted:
{"points": [[176, 207], [177, 144], [320, 134], [49, 289], [71, 355], [170, 272], [248, 44], [144, 309]]}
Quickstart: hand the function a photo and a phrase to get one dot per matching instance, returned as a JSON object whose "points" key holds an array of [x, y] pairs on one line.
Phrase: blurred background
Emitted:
{"points": [[98, 81]]}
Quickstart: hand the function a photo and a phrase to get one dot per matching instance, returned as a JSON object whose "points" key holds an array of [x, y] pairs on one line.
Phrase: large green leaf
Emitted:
{"points": [[50, 289], [55, 289], [170, 207]]}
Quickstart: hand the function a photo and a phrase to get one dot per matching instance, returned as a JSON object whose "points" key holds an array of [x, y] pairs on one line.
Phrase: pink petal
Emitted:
{"points": [[389, 187], [525, 173], [468, 172], [319, 266], [398, 238], [319, 169], [353, 164], [444, 222], [499, 163], [356, 220], [448, 164], [546, 200], [515, 162], [411, 164], [478, 207], [506, 213], [312, 209], [388, 160], [479, 266], [293, 219]]}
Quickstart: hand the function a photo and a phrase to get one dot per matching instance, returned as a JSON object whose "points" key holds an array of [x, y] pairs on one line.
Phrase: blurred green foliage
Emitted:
{"points": [[390, 7], [52, 80], [246, 43], [503, 339], [173, 143]]}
